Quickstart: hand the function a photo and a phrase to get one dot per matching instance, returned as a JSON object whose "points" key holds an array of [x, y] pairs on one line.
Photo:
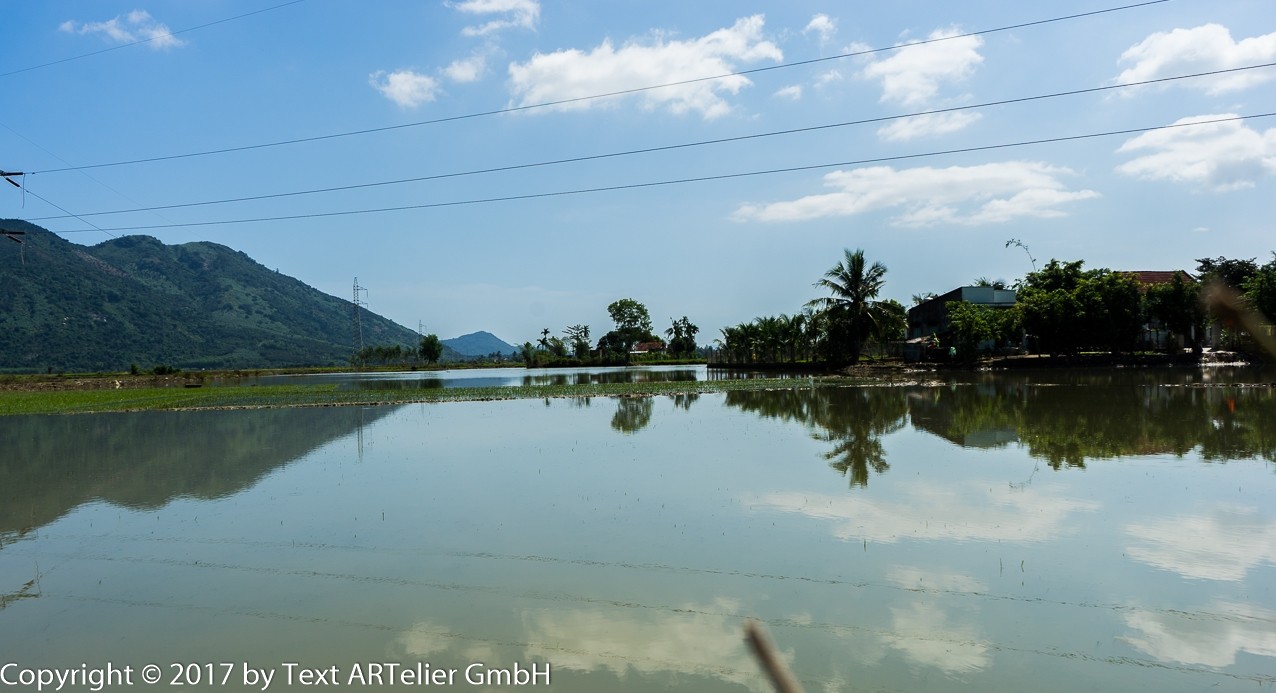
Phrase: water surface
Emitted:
{"points": [[1001, 532], [508, 377]]}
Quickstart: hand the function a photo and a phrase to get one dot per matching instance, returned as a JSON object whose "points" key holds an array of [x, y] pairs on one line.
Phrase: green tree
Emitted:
{"points": [[682, 337], [770, 337], [1111, 307], [529, 354], [893, 323], [578, 338], [1048, 307], [972, 325], [430, 348], [1177, 306], [1233, 273], [853, 311], [1066, 309], [1260, 290], [633, 325]]}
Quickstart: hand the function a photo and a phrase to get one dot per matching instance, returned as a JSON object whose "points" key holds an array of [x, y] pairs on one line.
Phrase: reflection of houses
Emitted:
{"points": [[930, 318], [940, 415]]}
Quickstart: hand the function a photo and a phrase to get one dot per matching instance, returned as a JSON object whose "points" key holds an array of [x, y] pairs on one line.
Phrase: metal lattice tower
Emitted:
{"points": [[358, 321]]}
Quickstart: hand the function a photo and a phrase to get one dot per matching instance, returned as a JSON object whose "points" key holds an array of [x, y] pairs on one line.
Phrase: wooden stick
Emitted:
{"points": [[769, 658]]}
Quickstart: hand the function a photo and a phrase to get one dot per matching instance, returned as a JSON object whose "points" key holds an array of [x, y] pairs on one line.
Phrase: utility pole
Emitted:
{"points": [[358, 322], [13, 235]]}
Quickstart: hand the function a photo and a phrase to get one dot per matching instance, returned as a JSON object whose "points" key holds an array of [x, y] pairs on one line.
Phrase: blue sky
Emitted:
{"points": [[719, 251]]}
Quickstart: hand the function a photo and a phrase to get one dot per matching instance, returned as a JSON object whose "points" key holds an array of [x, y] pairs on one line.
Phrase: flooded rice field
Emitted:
{"points": [[1006, 532], [507, 377]]}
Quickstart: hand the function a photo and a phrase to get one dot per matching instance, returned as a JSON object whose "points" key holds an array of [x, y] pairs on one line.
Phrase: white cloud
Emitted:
{"points": [[911, 578], [1201, 49], [923, 634], [466, 69], [569, 74], [964, 195], [1221, 156], [1224, 544], [133, 27], [405, 87], [696, 640], [822, 25], [1199, 639], [951, 514], [913, 74], [826, 78], [410, 89], [517, 14], [793, 91], [929, 124]]}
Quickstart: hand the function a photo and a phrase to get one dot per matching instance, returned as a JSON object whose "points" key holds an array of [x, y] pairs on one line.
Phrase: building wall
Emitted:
{"points": [[931, 317]]}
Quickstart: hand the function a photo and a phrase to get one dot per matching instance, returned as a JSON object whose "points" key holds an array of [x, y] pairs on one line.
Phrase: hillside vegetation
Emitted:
{"points": [[135, 300]]}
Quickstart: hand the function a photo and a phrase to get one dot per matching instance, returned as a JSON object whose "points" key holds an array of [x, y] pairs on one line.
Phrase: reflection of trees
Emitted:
{"points": [[51, 464], [627, 375], [684, 400], [402, 384], [1069, 424], [981, 414], [853, 419], [1077, 419], [632, 414]]}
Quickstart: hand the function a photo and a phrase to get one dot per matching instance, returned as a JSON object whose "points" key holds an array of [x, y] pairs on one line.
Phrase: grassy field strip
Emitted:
{"points": [[237, 396]]}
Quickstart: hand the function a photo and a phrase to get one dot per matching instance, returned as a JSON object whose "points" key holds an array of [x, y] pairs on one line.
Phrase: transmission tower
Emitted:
{"points": [[358, 322]]}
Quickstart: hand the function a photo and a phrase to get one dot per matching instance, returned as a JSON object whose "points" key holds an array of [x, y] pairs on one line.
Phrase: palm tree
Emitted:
{"points": [[769, 336], [853, 311]]}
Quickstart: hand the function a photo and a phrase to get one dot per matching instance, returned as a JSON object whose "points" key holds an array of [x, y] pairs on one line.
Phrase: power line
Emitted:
{"points": [[83, 173], [148, 40], [650, 150], [71, 214], [622, 92], [8, 177], [682, 181]]}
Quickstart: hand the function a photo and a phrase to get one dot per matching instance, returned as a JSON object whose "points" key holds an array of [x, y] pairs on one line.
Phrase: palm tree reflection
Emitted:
{"points": [[852, 419]]}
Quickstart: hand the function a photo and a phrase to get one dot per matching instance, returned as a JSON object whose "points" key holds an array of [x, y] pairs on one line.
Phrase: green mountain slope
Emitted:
{"points": [[479, 344], [135, 300]]}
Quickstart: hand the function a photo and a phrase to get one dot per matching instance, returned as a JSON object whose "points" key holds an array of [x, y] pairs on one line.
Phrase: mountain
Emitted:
{"points": [[135, 300], [479, 344]]}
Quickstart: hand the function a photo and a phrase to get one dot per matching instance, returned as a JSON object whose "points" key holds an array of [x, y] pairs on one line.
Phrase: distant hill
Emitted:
{"points": [[479, 344], [135, 300]]}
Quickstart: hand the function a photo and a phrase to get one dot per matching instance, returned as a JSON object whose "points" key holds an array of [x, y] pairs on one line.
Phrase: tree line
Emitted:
{"points": [[1066, 309], [1063, 308], [428, 350], [832, 330], [633, 327]]}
